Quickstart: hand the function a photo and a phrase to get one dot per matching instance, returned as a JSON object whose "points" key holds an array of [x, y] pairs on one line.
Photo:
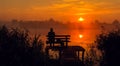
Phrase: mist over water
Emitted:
{"points": [[88, 31]]}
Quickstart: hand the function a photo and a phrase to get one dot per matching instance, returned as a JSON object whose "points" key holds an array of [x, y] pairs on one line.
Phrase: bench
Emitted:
{"points": [[59, 39]]}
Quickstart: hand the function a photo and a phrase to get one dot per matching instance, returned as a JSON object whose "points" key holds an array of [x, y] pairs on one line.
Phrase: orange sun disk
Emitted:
{"points": [[81, 19], [80, 36]]}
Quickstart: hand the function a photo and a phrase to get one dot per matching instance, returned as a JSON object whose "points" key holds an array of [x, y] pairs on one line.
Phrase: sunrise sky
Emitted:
{"points": [[63, 10]]}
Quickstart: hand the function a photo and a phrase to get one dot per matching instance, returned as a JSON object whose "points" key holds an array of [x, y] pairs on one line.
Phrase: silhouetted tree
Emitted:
{"points": [[109, 45], [91, 58], [116, 24], [16, 49], [39, 56]]}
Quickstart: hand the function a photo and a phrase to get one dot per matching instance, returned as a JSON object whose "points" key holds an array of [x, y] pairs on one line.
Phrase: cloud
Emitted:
{"points": [[70, 0], [65, 5], [77, 7], [60, 7]]}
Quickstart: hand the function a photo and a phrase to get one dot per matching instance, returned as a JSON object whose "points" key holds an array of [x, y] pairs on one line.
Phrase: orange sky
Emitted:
{"points": [[63, 10]]}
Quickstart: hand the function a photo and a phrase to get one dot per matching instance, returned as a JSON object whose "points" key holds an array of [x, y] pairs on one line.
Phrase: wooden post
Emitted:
{"points": [[83, 56], [78, 55], [66, 42], [60, 55]]}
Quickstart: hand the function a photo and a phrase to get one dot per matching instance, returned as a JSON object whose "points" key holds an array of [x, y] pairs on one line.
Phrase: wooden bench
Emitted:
{"points": [[60, 39]]}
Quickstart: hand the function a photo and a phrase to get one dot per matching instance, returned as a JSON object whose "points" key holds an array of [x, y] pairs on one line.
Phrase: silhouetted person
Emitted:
{"points": [[51, 37]]}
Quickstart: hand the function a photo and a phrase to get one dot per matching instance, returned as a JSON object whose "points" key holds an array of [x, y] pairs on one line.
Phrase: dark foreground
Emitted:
{"points": [[58, 63]]}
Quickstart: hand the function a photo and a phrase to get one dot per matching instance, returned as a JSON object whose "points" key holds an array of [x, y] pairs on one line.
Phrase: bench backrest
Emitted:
{"points": [[60, 38]]}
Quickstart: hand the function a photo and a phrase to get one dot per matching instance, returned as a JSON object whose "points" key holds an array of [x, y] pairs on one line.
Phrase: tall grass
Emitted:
{"points": [[17, 48]]}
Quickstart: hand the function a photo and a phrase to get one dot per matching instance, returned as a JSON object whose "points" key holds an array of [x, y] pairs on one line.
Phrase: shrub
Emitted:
{"points": [[109, 45], [15, 49]]}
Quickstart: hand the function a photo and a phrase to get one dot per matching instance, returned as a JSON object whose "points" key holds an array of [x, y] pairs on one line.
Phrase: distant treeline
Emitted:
{"points": [[46, 24]]}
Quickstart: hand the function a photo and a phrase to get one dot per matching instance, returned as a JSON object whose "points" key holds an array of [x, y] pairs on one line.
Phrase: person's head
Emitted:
{"points": [[51, 29]]}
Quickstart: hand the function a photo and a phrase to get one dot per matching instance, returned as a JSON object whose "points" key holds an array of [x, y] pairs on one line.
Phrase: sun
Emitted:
{"points": [[81, 19], [80, 36]]}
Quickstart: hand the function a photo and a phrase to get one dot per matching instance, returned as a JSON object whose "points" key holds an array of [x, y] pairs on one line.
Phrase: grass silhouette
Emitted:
{"points": [[18, 49]]}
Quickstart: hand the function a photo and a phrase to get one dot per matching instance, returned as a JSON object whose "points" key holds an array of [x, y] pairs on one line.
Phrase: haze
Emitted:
{"points": [[62, 10]]}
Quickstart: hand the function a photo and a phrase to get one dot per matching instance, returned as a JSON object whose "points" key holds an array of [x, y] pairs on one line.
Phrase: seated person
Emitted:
{"points": [[51, 36]]}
